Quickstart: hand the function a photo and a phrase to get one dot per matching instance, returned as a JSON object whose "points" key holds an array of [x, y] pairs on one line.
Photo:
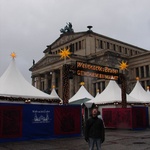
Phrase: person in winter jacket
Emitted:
{"points": [[94, 130]]}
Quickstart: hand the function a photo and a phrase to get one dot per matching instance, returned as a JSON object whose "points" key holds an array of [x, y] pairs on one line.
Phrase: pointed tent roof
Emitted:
{"points": [[54, 93], [111, 94], [13, 84], [81, 96], [139, 93]]}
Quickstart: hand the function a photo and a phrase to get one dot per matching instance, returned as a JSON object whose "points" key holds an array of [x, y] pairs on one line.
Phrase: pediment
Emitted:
{"points": [[46, 62], [65, 39]]}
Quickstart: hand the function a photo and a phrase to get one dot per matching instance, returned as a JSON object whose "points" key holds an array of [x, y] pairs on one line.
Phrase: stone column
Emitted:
{"points": [[39, 82], [76, 83], [33, 81], [101, 87], [53, 78], [86, 83], [97, 88], [144, 71], [46, 81]]}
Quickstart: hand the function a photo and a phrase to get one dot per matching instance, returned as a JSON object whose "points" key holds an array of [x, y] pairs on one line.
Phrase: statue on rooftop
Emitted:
{"points": [[67, 29]]}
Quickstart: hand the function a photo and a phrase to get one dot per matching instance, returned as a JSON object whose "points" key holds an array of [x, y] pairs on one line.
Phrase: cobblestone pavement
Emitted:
{"points": [[115, 140]]}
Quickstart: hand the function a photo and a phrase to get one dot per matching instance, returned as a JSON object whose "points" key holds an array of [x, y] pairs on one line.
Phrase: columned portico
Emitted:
{"points": [[89, 47]]}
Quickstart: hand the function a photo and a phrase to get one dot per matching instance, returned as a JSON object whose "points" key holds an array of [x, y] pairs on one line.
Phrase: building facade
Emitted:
{"points": [[92, 48]]}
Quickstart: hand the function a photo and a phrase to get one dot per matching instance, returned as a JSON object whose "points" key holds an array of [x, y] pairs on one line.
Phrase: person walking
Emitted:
{"points": [[94, 131]]}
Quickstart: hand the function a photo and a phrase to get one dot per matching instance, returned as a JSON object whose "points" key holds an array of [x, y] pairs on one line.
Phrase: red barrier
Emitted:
{"points": [[10, 122], [126, 118], [67, 120], [117, 117], [139, 117]]}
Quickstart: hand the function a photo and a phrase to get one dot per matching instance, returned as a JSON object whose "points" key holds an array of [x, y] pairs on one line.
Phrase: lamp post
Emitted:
{"points": [[122, 78], [64, 54], [123, 89]]}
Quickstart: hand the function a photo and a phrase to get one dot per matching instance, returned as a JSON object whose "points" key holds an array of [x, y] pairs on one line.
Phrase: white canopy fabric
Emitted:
{"points": [[111, 94], [139, 93], [13, 84], [54, 93], [81, 96]]}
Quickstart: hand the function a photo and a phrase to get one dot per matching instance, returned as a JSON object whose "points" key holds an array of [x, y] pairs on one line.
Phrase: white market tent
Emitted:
{"points": [[139, 93], [14, 85], [81, 96], [112, 94], [54, 93]]}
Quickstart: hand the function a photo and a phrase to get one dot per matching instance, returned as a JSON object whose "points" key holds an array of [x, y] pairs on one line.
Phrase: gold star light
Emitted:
{"points": [[13, 55], [82, 83], [64, 53], [123, 65]]}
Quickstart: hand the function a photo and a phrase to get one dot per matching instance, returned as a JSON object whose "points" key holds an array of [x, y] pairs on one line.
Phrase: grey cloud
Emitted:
{"points": [[28, 26]]}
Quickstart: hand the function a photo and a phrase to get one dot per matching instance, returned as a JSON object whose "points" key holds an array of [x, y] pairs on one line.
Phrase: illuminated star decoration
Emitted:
{"points": [[64, 53], [123, 65], [13, 55], [82, 83]]}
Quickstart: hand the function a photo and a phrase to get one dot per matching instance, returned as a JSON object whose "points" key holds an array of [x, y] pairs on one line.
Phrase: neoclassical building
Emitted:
{"points": [[92, 48]]}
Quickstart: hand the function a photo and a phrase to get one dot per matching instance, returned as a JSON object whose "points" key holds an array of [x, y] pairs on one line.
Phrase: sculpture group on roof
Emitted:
{"points": [[67, 29]]}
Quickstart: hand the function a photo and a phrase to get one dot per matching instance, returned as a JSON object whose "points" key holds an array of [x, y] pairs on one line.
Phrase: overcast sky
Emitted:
{"points": [[28, 26]]}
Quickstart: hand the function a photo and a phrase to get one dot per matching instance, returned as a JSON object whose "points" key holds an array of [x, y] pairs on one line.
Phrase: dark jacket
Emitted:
{"points": [[94, 128]]}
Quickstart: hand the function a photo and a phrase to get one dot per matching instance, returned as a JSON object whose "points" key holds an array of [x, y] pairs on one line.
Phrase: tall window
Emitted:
{"points": [[119, 48], [79, 44], [131, 53], [72, 48], [125, 50], [76, 46], [108, 45], [101, 44], [114, 47]]}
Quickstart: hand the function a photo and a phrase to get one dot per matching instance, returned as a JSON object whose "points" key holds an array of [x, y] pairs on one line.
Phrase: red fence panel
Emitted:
{"points": [[117, 117], [10, 122], [67, 120]]}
